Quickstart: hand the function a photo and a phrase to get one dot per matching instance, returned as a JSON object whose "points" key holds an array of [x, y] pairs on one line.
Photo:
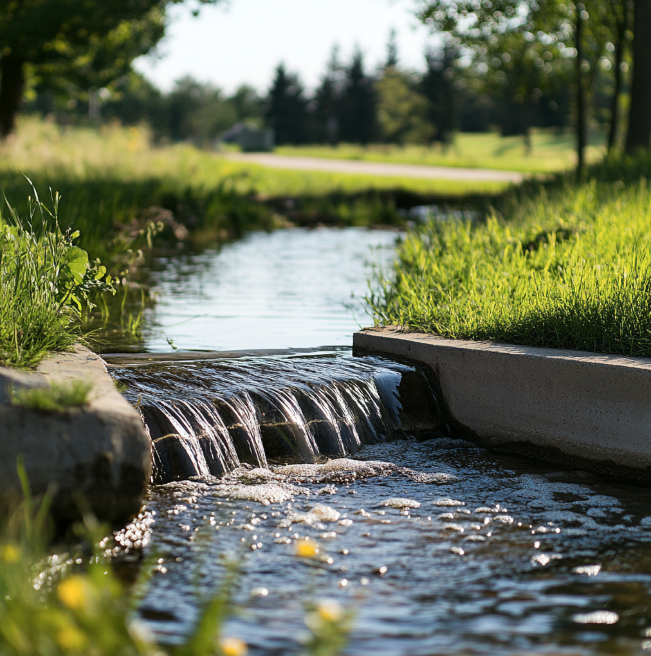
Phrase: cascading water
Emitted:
{"points": [[206, 417]]}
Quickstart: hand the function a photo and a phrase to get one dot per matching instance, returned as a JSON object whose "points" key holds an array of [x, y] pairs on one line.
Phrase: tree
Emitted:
{"points": [[392, 50], [438, 88], [639, 120], [534, 34], [286, 107], [358, 122], [326, 105], [401, 109], [95, 38]]}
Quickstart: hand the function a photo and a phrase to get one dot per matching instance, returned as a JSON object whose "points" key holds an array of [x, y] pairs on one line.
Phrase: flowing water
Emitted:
{"points": [[436, 545]]}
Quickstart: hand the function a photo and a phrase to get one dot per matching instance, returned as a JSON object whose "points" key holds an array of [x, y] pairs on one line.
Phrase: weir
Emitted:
{"points": [[206, 417]]}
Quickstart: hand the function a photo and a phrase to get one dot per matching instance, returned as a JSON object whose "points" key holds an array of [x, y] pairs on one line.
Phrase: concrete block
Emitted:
{"points": [[574, 407], [99, 453]]}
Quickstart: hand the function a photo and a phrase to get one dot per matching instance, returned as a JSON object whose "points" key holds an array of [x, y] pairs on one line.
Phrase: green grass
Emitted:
{"points": [[56, 397], [563, 265], [45, 283], [551, 152]]}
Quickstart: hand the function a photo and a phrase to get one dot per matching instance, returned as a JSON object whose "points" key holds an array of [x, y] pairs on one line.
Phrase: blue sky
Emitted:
{"points": [[243, 40]]}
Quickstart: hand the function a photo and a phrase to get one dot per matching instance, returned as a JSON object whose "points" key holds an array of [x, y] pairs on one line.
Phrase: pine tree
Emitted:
{"points": [[358, 122], [286, 108], [327, 102], [438, 88]]}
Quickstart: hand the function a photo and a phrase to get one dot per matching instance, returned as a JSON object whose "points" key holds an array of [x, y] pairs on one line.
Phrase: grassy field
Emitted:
{"points": [[122, 194], [566, 265], [111, 177], [551, 152]]}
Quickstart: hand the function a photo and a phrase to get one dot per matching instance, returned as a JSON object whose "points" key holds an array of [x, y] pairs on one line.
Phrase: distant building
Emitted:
{"points": [[250, 138]]}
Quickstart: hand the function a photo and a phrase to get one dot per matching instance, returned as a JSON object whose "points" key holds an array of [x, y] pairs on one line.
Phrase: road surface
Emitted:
{"points": [[357, 167]]}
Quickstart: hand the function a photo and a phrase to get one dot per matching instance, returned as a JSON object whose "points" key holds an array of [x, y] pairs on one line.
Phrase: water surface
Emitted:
{"points": [[289, 288]]}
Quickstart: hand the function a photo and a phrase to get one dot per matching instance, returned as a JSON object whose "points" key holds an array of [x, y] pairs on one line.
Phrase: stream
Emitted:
{"points": [[435, 545]]}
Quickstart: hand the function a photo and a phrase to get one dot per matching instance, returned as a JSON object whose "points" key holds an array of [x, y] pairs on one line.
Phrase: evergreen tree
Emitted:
{"points": [[286, 110], [438, 87], [392, 51], [358, 119], [327, 102]]}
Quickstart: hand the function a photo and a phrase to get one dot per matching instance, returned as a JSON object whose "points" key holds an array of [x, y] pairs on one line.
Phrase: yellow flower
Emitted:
{"points": [[71, 639], [330, 611], [307, 549], [73, 592], [10, 553], [233, 647]]}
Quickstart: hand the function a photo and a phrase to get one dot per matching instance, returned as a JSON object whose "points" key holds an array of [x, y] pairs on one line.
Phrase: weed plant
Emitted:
{"points": [[566, 265], [45, 282]]}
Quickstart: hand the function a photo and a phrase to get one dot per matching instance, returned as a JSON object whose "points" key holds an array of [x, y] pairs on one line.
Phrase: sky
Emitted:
{"points": [[242, 41]]}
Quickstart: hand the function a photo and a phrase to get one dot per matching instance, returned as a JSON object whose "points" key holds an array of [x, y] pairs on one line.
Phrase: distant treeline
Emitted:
{"points": [[351, 104]]}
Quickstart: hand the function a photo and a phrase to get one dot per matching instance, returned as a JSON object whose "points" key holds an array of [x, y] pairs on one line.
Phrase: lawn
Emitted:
{"points": [[550, 152], [563, 265]]}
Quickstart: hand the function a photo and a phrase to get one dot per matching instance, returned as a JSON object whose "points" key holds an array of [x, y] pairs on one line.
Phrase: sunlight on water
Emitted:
{"points": [[289, 288]]}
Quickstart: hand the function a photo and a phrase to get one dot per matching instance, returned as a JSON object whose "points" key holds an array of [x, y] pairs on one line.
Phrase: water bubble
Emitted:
{"points": [[457, 550], [259, 592]]}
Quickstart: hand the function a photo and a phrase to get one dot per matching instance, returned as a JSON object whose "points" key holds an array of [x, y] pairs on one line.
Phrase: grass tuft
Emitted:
{"points": [[57, 397]]}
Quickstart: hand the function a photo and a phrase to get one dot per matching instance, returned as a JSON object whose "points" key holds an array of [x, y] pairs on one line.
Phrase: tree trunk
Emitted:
{"points": [[580, 92], [620, 48], [639, 117], [11, 93]]}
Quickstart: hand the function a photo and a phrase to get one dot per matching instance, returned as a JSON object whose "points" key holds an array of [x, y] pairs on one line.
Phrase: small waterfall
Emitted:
{"points": [[207, 417]]}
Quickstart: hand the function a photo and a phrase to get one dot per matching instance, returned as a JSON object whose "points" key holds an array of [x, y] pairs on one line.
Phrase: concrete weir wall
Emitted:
{"points": [[99, 453], [570, 406]]}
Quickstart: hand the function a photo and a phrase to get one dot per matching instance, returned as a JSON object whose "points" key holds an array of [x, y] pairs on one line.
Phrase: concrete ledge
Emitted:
{"points": [[577, 407], [100, 452]]}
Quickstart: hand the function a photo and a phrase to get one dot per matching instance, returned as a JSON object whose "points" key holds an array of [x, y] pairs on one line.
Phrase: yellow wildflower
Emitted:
{"points": [[233, 647], [73, 592], [330, 611], [10, 553], [307, 549]]}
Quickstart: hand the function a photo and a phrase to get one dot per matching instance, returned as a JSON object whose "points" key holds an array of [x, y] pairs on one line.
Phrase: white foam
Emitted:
{"points": [[588, 570], [596, 617], [401, 503], [447, 502]]}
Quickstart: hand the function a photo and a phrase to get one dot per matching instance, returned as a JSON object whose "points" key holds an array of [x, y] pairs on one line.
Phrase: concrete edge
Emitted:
{"points": [[579, 408], [100, 453]]}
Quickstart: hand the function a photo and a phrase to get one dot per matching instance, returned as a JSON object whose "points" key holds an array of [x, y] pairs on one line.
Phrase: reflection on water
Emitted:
{"points": [[289, 288]]}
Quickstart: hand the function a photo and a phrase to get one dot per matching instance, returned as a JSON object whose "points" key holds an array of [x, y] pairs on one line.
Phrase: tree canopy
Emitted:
{"points": [[83, 42]]}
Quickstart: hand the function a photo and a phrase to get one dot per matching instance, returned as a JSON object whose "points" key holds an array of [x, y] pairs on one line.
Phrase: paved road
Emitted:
{"points": [[376, 168]]}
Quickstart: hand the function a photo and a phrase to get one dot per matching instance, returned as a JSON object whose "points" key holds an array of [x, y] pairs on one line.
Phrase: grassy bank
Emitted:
{"points": [[550, 152], [111, 178], [123, 194], [564, 265]]}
